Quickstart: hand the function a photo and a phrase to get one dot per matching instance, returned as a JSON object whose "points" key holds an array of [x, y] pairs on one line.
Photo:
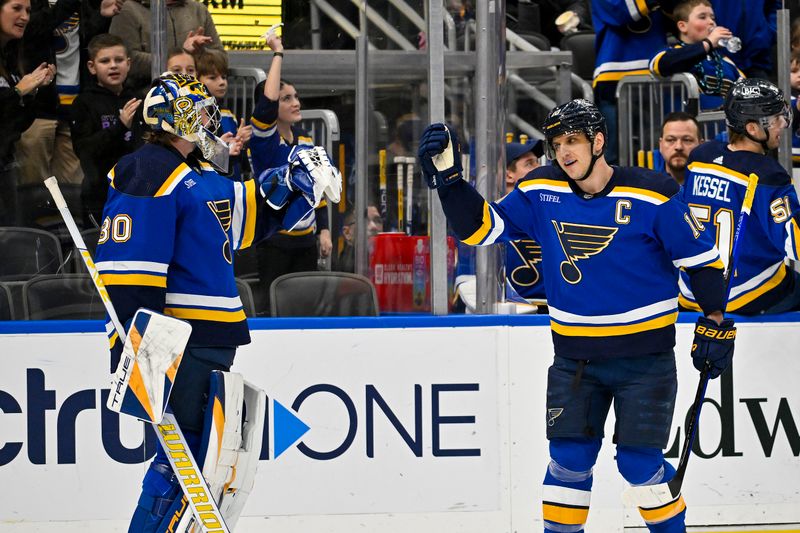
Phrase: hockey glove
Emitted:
{"points": [[277, 185], [713, 344], [439, 156], [312, 169]]}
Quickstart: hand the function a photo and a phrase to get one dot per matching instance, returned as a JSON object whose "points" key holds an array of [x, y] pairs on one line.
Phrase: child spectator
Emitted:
{"points": [[794, 82], [696, 53], [189, 25], [179, 61], [105, 121], [212, 70]]}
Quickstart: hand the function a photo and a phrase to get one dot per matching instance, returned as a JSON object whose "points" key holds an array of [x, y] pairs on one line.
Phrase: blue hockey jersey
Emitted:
{"points": [[716, 181], [167, 240], [610, 260]]}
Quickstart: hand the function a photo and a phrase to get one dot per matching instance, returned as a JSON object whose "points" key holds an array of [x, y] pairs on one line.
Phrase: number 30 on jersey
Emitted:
{"points": [[119, 229]]}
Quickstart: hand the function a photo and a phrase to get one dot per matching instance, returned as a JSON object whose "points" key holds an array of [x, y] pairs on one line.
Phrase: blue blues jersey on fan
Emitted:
{"points": [[610, 260], [714, 72], [628, 34], [716, 181], [195, 213]]}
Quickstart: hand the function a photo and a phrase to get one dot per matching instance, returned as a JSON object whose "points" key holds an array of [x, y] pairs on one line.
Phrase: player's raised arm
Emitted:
{"points": [[474, 220]]}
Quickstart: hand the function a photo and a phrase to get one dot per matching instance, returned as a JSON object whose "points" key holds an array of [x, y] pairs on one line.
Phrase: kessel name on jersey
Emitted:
{"points": [[711, 187]]}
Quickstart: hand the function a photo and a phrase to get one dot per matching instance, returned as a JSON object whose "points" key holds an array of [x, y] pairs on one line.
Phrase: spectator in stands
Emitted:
{"points": [[181, 62], [275, 137], [755, 23], [212, 70], [699, 37], [521, 159], [680, 134], [346, 259], [106, 122], [794, 82], [59, 33], [628, 35], [16, 99], [189, 26]]}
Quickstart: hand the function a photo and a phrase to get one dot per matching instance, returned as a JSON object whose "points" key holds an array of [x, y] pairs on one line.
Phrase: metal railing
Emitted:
{"points": [[242, 82], [643, 101]]}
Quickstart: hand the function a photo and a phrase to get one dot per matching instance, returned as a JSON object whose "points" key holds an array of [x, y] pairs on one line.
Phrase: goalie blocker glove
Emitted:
{"points": [[713, 344], [439, 156]]}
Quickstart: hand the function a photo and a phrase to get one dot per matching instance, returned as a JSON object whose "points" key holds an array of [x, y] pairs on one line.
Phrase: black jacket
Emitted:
{"points": [[16, 112], [100, 139]]}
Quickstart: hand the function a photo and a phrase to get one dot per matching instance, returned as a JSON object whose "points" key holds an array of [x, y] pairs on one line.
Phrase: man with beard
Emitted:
{"points": [[680, 134]]}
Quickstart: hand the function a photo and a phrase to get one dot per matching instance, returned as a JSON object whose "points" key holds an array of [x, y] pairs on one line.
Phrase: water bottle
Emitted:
{"points": [[734, 44], [419, 276]]}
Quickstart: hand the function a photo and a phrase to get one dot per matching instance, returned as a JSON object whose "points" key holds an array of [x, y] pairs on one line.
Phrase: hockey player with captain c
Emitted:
{"points": [[613, 239], [170, 225]]}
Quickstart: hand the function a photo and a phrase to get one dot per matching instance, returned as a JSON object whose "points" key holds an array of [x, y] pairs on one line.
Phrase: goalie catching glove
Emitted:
{"points": [[439, 156], [309, 173], [713, 344]]}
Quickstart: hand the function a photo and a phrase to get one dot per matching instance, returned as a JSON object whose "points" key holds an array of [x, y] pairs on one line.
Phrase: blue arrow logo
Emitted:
{"points": [[288, 428]]}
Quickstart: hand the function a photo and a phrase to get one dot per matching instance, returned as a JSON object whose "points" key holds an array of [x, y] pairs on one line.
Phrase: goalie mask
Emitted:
{"points": [[181, 105]]}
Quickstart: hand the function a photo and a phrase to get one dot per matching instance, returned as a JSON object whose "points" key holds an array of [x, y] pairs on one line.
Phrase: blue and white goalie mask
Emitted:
{"points": [[181, 105]]}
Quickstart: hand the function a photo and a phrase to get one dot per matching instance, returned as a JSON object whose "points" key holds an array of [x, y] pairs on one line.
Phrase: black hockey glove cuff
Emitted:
{"points": [[713, 344], [439, 156]]}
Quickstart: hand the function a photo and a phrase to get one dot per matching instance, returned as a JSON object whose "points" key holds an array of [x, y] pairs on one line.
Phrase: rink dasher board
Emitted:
{"points": [[432, 423]]}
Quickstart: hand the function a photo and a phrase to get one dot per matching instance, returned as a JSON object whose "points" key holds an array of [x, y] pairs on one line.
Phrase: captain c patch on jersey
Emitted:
{"points": [[580, 241]]}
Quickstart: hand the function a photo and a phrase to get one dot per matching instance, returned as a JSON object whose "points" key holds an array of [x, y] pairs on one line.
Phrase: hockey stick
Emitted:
{"points": [[410, 164], [194, 486], [654, 496], [382, 206]]}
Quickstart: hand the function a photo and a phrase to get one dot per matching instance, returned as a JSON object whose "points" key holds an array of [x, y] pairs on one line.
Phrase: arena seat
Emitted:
{"points": [[6, 307], [323, 294], [28, 252], [246, 295], [581, 44], [62, 297]]}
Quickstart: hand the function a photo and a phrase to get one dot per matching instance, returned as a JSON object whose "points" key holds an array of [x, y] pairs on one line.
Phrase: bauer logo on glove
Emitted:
{"points": [[713, 345], [439, 156]]}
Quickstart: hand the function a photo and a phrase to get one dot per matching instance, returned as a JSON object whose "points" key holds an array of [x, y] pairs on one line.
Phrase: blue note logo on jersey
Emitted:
{"points": [[222, 211], [530, 252], [580, 241]]}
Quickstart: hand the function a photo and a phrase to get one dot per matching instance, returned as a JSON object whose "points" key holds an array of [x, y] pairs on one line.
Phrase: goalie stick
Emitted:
{"points": [[187, 471], [654, 496]]}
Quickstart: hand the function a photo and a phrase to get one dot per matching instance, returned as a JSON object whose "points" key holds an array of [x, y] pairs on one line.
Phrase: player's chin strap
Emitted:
{"points": [[231, 444], [764, 143], [594, 160]]}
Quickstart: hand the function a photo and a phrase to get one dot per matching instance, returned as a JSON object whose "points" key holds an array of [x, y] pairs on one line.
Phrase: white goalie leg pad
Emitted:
{"points": [[232, 442]]}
